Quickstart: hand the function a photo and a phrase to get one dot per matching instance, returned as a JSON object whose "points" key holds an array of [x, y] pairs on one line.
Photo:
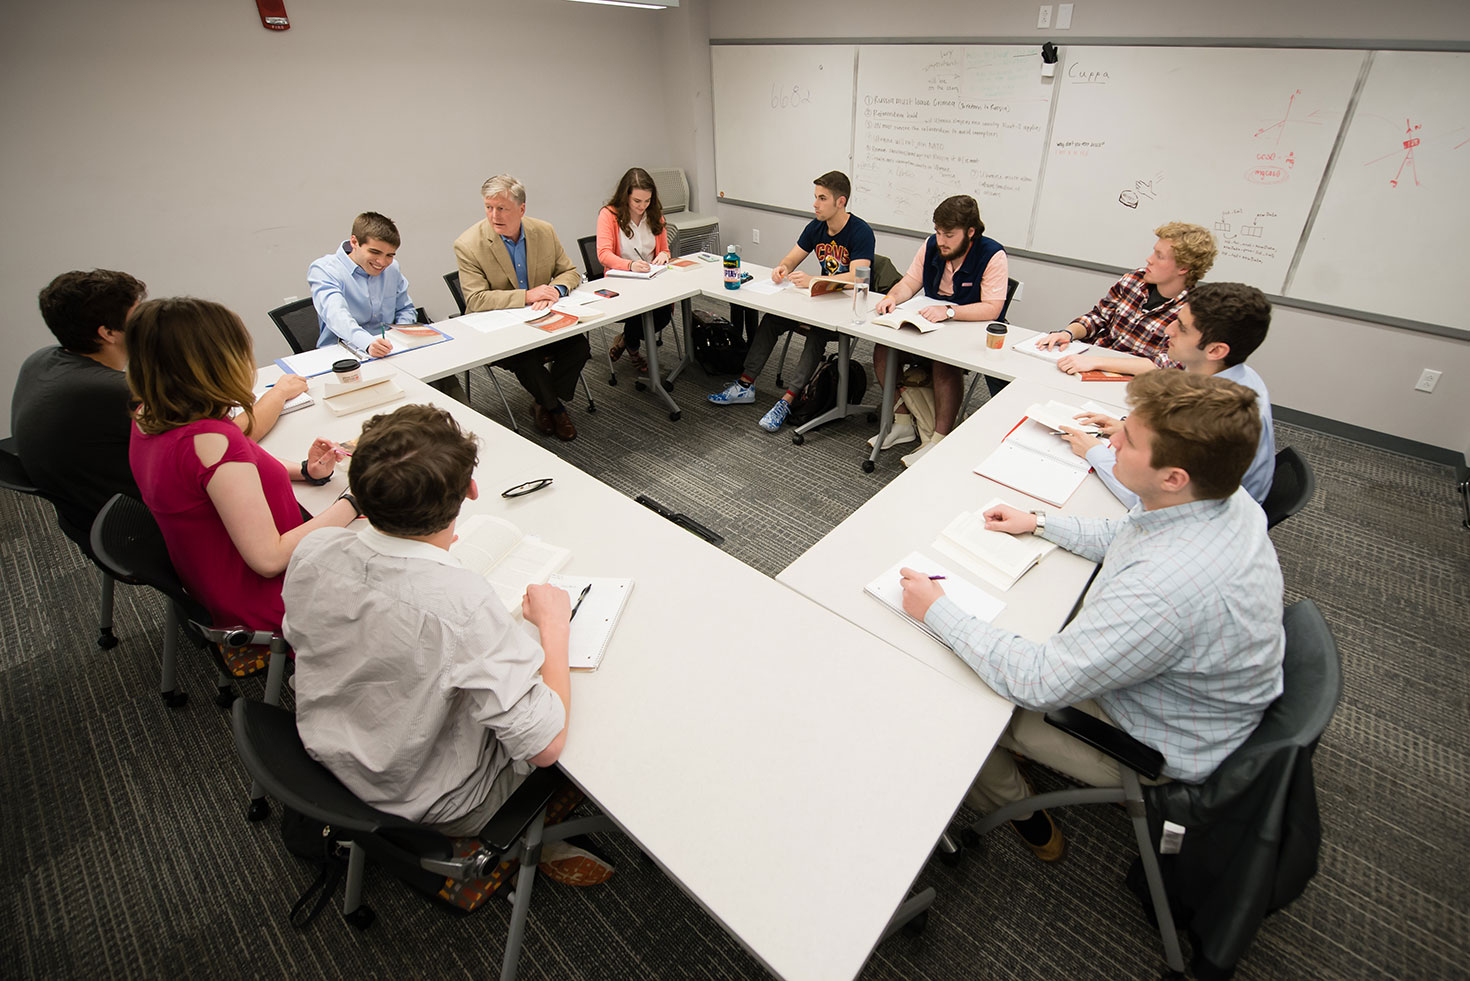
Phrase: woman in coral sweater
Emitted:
{"points": [[631, 236]]}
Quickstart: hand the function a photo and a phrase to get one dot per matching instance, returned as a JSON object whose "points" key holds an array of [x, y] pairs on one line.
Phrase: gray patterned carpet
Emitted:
{"points": [[126, 853]]}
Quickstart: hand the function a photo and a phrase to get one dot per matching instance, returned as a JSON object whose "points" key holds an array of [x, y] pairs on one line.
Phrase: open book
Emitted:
{"points": [[899, 318], [821, 285], [508, 559], [555, 319], [888, 590], [630, 274], [319, 361], [996, 557], [596, 618], [1036, 463], [345, 398]]}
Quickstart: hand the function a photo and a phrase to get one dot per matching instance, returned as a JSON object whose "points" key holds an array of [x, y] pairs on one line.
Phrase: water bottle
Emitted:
{"points": [[860, 277], [732, 268]]}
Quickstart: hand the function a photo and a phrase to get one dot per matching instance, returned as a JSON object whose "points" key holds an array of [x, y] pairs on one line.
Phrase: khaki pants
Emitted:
{"points": [[1000, 781]]}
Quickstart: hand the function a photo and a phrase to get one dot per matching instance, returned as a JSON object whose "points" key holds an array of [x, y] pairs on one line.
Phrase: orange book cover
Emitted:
{"points": [[1104, 376], [552, 320]]}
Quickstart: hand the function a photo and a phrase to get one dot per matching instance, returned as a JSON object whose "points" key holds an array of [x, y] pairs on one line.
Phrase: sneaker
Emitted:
{"points": [[736, 394], [929, 444], [902, 431], [572, 866], [773, 420]]}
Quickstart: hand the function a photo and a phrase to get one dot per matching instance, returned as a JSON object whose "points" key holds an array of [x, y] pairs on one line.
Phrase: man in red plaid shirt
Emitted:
{"points": [[1130, 320]]}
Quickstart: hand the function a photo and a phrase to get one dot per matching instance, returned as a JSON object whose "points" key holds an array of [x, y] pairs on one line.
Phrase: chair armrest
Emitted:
{"points": [[507, 825], [1144, 760]]}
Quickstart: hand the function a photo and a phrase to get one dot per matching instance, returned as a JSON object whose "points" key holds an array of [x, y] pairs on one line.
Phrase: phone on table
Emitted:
{"points": [[607, 293]]}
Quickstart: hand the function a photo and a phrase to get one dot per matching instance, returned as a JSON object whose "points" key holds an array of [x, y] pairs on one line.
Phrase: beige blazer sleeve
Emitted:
{"points": [[486, 275]]}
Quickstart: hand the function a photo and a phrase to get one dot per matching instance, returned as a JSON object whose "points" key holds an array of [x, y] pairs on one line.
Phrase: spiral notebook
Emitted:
{"points": [[593, 625]]}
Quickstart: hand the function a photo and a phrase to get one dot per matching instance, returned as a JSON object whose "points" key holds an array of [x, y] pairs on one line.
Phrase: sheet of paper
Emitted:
{"points": [[1045, 478], [317, 361], [969, 597], [1028, 346], [489, 320], [576, 308], [763, 286]]}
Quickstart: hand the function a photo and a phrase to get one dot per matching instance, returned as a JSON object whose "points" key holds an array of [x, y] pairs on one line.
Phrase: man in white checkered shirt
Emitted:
{"points": [[1180, 641]]}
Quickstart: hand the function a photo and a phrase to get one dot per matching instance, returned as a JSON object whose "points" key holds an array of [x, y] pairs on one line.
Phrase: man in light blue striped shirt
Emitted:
{"points": [[1180, 641], [359, 290]]}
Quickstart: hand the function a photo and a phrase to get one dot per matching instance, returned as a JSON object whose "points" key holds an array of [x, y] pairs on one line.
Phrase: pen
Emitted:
{"points": [[938, 577], [578, 605]]}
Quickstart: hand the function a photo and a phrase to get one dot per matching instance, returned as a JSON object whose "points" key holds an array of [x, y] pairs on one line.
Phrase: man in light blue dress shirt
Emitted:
{"points": [[1220, 326], [1180, 641], [359, 289]]}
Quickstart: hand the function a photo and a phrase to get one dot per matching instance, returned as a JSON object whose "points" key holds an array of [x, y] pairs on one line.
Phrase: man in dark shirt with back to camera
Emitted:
{"points": [[71, 413]]}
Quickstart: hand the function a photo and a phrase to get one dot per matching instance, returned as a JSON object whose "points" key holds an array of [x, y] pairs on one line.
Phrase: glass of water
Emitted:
{"points": [[860, 276]]}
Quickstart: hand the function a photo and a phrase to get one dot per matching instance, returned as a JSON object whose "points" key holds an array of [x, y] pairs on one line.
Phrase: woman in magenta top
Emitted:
{"points": [[631, 236], [224, 505]]}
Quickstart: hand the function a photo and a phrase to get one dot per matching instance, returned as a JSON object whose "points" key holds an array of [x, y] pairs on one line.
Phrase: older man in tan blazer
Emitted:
{"points": [[509, 260]]}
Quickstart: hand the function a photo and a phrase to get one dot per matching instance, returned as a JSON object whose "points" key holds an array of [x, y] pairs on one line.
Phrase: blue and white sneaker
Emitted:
{"points": [[773, 420], [736, 394]]}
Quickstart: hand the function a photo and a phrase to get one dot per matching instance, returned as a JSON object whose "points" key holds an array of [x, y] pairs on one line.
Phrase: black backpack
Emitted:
{"points": [[719, 346], [820, 393]]}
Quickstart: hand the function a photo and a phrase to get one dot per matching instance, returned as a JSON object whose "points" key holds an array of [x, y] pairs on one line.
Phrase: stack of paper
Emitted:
{"points": [[488, 320], [1029, 346], [996, 557], [593, 625]]}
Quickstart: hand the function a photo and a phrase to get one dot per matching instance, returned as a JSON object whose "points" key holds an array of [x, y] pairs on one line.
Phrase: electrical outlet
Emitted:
{"points": [[755, 236], [1043, 19], [1427, 380], [1064, 16]]}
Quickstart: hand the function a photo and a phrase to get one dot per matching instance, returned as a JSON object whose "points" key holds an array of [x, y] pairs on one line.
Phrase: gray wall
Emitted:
{"points": [[1349, 370], [182, 142]]}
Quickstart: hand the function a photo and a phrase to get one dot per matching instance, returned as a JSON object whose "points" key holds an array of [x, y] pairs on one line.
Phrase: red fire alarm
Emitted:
{"points": [[273, 15]]}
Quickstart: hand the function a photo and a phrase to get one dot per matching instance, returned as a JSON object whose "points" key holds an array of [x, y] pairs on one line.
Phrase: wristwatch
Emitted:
{"points": [[949, 313], [1040, 521], [313, 481]]}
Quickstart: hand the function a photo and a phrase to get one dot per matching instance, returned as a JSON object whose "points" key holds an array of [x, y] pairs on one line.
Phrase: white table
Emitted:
{"points": [[908, 515], [732, 718]]}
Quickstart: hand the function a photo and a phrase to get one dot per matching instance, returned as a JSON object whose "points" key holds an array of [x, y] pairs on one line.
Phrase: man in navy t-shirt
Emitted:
{"points": [[841, 242]]}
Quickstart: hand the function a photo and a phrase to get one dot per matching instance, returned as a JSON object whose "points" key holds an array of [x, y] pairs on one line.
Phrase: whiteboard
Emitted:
{"points": [[1234, 139], [783, 115], [933, 121], [1390, 235]]}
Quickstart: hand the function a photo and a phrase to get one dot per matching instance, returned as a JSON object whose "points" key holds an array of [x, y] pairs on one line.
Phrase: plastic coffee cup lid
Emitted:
{"points": [[346, 365]]}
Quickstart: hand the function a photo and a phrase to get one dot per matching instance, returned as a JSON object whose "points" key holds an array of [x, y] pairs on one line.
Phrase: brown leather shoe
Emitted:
{"points": [[542, 418], [562, 421], [1054, 846]]}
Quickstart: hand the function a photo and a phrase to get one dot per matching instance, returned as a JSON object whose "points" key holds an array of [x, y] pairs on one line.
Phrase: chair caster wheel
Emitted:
{"points": [[612, 379], [952, 859], [591, 407], [780, 382], [224, 697], [668, 385], [175, 699], [867, 466], [969, 838], [639, 386], [106, 639], [361, 918], [798, 438], [258, 810], [872, 417], [916, 926], [674, 416]]}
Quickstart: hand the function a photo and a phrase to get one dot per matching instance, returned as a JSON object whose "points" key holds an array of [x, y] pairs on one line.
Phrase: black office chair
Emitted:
{"points": [[1252, 828], [994, 385], [274, 756], [1292, 487], [298, 323], [457, 291], [127, 542], [587, 245], [13, 476]]}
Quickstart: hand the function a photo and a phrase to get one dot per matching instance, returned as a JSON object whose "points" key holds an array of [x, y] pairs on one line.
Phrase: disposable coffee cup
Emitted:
{"points": [[995, 336], [347, 371]]}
